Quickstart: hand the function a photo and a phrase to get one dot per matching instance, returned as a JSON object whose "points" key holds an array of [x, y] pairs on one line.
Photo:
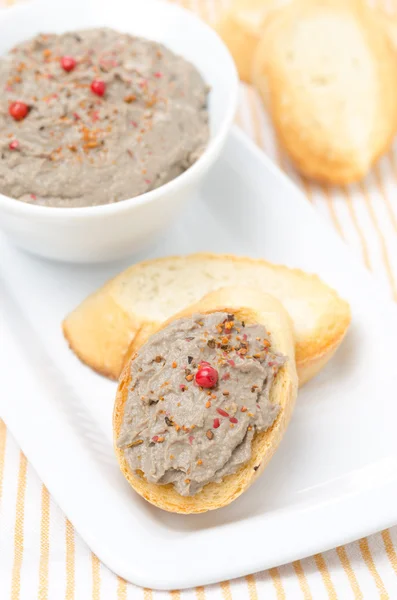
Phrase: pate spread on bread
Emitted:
{"points": [[199, 392], [204, 453]]}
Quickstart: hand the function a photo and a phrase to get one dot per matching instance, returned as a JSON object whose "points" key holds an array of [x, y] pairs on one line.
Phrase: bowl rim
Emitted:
{"points": [[209, 154]]}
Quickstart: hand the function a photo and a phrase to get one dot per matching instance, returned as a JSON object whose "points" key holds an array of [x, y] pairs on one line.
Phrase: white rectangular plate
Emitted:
{"points": [[334, 477]]}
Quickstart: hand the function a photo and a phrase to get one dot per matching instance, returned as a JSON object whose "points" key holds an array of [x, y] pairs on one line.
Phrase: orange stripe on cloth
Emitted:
{"points": [[3, 443], [303, 584], [225, 589], [238, 118], [383, 193], [251, 97], [121, 588], [201, 9], [70, 574], [326, 577], [147, 594], [389, 547], [200, 593], [393, 162], [44, 544], [216, 11], [254, 109], [361, 236], [278, 586], [332, 211], [96, 577], [18, 530], [252, 591], [307, 187], [369, 561], [344, 559], [382, 241]]}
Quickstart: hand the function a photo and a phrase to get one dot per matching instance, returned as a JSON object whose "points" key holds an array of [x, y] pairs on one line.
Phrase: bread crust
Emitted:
{"points": [[103, 334], [241, 40], [251, 306], [240, 28]]}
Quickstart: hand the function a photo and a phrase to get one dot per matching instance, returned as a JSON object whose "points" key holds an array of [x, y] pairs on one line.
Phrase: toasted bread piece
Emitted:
{"points": [[129, 307], [240, 28], [251, 306], [327, 72]]}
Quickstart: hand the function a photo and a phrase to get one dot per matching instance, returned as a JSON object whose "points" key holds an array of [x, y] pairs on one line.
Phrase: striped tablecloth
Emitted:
{"points": [[42, 556]]}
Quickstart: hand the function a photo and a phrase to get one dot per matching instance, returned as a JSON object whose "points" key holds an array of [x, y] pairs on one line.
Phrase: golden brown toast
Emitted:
{"points": [[125, 310], [327, 73]]}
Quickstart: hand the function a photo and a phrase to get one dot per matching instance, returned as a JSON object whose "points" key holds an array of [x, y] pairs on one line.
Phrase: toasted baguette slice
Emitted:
{"points": [[240, 28], [327, 72], [133, 304], [251, 306]]}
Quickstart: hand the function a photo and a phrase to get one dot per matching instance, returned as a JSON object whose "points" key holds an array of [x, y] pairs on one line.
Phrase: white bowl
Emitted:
{"points": [[112, 231]]}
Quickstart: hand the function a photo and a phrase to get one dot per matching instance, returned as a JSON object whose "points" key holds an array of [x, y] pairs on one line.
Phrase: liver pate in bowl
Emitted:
{"points": [[105, 134], [97, 116]]}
